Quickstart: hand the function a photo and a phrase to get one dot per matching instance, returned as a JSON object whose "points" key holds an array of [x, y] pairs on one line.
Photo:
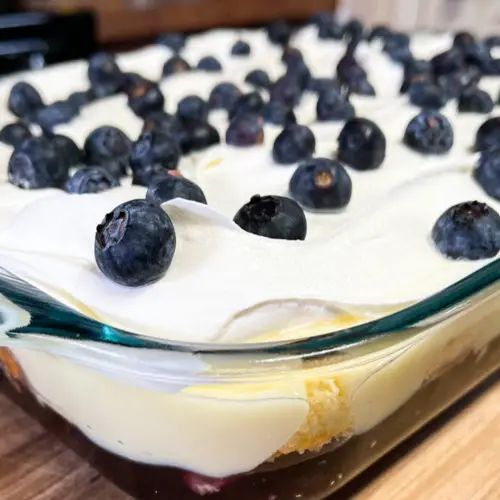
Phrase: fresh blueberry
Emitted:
{"points": [[427, 95], [291, 55], [295, 143], [478, 55], [152, 149], [131, 79], [473, 99], [332, 105], [277, 113], [24, 100], [144, 98], [488, 135], [447, 62], [329, 29], [224, 96], [198, 136], [192, 109], [209, 63], [240, 48], [353, 75], [104, 75], [273, 217], [379, 32], [353, 30], [361, 144], [492, 41], [258, 78], [81, 98], [416, 71], [91, 180], [135, 243], [174, 65], [454, 83], [463, 40], [251, 102], [487, 172], [320, 17], [279, 32], [298, 71], [319, 85], [174, 186], [245, 130], [429, 132], [66, 148], [55, 114], [110, 148], [321, 184], [174, 41], [160, 121], [286, 90], [397, 47], [469, 230], [14, 134], [37, 164]]}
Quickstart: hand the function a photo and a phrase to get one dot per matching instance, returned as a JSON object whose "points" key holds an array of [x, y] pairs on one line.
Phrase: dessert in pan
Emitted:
{"points": [[300, 227]]}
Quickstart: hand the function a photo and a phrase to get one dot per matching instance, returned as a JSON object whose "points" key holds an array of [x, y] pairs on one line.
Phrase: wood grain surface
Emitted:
{"points": [[456, 457]]}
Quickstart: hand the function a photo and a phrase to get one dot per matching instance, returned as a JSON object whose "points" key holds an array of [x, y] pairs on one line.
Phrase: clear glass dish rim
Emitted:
{"points": [[49, 317]]}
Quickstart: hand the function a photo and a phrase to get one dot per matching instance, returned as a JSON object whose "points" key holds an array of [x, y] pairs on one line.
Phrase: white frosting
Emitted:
{"points": [[374, 255]]}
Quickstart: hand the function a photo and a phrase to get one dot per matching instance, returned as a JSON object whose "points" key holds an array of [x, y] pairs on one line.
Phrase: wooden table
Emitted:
{"points": [[456, 457]]}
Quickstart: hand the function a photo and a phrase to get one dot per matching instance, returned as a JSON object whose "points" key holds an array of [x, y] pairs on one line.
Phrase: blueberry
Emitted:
{"points": [[321, 184], [353, 30], [286, 90], [110, 148], [319, 85], [192, 109], [279, 32], [258, 78], [251, 102], [295, 143], [469, 230], [353, 75], [174, 65], [160, 121], [240, 48], [488, 135], [416, 71], [224, 96], [427, 95], [278, 114], [328, 29], [37, 164], [397, 47], [151, 150], [429, 132], [492, 41], [135, 243], [55, 114], [361, 144], [463, 40], [66, 148], [273, 217], [174, 41], [91, 180], [174, 186], [333, 106], [245, 130], [81, 98], [209, 63], [14, 134], [144, 98], [447, 62], [198, 136], [379, 32], [24, 100], [104, 75], [473, 99], [487, 172], [298, 71], [291, 55], [320, 17]]}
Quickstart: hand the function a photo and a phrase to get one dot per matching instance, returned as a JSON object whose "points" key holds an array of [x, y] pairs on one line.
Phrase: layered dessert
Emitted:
{"points": [[250, 187]]}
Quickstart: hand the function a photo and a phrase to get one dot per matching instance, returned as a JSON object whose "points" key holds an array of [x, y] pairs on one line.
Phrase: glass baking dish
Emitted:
{"points": [[290, 419]]}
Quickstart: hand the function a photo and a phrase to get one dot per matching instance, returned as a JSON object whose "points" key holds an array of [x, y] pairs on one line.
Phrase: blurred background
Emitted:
{"points": [[37, 32]]}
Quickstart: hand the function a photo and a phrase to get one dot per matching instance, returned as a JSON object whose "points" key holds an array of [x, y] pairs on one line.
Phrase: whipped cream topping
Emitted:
{"points": [[226, 285]]}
